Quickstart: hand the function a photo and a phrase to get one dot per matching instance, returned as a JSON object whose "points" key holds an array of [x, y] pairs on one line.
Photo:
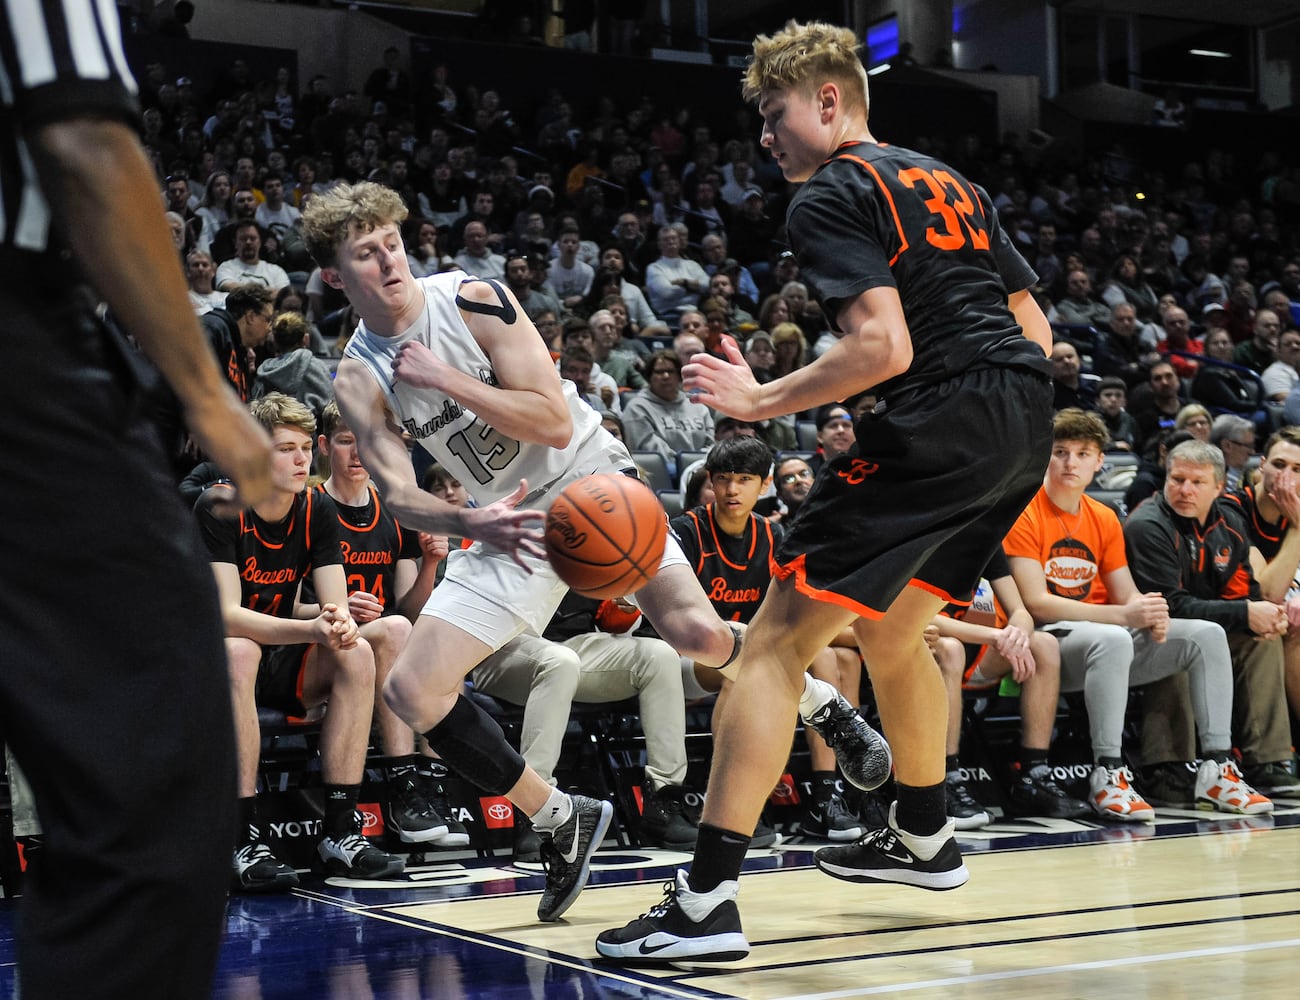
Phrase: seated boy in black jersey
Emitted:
{"points": [[975, 648], [730, 549], [283, 654], [388, 578]]}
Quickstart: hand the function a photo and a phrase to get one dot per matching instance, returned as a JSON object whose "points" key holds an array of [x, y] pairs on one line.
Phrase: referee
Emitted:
{"points": [[113, 689]]}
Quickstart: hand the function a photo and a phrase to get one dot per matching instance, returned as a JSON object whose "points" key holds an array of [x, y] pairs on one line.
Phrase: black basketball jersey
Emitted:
{"points": [[273, 558], [877, 215], [372, 543], [734, 572], [1264, 536]]}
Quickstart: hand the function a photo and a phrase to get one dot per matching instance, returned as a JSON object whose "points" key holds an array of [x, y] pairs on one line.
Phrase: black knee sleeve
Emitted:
{"points": [[473, 745]]}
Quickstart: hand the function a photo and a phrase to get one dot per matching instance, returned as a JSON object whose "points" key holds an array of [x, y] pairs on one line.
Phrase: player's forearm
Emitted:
{"points": [[1278, 573], [420, 511], [107, 194], [267, 630], [855, 362], [537, 417], [976, 635], [1048, 609]]}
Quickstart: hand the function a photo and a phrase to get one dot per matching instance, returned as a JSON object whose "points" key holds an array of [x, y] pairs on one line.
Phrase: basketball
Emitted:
{"points": [[605, 535]]}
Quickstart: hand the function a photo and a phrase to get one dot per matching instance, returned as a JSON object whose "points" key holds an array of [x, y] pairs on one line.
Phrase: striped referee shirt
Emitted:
{"points": [[59, 59]]}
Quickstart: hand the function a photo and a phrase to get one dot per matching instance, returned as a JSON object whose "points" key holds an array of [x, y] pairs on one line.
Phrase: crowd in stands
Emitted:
{"points": [[635, 237]]}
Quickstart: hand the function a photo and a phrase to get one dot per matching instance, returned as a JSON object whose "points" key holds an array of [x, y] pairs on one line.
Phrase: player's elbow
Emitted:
{"points": [[558, 431]]}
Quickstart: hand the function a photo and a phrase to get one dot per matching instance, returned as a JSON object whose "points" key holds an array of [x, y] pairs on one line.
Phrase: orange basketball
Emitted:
{"points": [[605, 535]]}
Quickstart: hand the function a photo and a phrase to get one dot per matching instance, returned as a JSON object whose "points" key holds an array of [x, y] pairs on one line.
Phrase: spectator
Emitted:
{"points": [[295, 371], [1067, 555], [577, 662], [1160, 404], [1260, 350], [1120, 426], [1126, 348], [834, 435], [236, 330], [1218, 344], [975, 649], [247, 267], [1281, 376], [1195, 419], [1125, 284], [1270, 508], [275, 211], [200, 273], [673, 282], [215, 208], [476, 257], [1078, 306], [1069, 390], [1165, 540], [293, 657], [570, 277], [730, 549], [618, 364], [662, 418], [1235, 437], [243, 209], [1176, 337]]}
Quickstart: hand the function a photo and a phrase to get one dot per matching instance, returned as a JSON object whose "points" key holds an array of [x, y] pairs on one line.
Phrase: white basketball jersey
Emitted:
{"points": [[488, 463]]}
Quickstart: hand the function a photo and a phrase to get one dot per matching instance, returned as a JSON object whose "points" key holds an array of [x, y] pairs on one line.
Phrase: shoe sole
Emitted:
{"points": [[584, 873], [1255, 810], [279, 884], [451, 839], [976, 822], [340, 869], [838, 836], [1140, 816], [428, 836], [713, 948], [937, 881]]}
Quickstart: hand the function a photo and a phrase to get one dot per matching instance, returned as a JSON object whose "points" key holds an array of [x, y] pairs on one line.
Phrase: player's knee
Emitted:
{"points": [[243, 657], [387, 635], [558, 665], [1046, 652]]}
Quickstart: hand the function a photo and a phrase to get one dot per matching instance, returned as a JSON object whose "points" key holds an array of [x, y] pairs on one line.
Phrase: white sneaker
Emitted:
{"points": [[1221, 787], [1113, 797]]}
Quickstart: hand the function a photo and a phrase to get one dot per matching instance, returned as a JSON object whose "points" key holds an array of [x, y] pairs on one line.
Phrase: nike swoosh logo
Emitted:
{"points": [[904, 860], [571, 855], [646, 948]]}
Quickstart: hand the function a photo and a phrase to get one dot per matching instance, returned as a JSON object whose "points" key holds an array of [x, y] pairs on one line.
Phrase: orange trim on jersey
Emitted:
{"points": [[939, 592], [898, 222], [374, 496], [753, 540]]}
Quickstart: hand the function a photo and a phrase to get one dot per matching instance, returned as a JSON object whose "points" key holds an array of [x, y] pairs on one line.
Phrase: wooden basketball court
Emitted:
{"points": [[1196, 905]]}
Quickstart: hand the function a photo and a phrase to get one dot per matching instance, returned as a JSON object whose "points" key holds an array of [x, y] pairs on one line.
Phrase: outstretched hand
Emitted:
{"points": [[726, 385], [499, 524]]}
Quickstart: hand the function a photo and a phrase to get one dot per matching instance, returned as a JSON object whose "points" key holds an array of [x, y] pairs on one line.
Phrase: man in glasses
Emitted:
{"points": [[794, 478]]}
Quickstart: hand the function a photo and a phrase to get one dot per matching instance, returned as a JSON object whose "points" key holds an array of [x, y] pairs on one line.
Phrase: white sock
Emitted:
{"points": [[816, 696], [923, 847], [557, 810], [691, 686]]}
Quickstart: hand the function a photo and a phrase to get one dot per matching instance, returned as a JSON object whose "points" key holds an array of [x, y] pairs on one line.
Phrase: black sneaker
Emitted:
{"points": [[527, 848], [411, 814], [862, 753], [352, 856], [566, 854], [1273, 779], [963, 810], [665, 820], [892, 855], [833, 820], [435, 793], [256, 869], [701, 926], [1036, 793], [765, 835], [1171, 784]]}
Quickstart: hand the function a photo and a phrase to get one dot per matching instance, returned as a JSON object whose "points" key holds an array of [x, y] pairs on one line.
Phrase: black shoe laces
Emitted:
{"points": [[661, 908]]}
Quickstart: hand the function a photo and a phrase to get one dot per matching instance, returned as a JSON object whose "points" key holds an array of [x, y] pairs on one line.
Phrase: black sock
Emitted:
{"points": [[1110, 762], [1031, 758], [921, 811], [951, 763], [823, 785], [247, 832], [1218, 756], [719, 854], [340, 810]]}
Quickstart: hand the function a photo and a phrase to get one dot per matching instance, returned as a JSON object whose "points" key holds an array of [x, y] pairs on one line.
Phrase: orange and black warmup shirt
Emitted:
{"points": [[372, 542], [273, 558], [1265, 536], [883, 216], [735, 572]]}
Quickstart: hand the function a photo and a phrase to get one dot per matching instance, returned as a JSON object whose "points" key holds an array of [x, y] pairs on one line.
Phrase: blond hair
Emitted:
{"points": [[345, 211], [275, 409], [803, 57]]}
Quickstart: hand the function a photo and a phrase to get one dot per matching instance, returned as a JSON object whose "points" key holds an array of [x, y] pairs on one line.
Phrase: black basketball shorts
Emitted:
{"points": [[280, 678], [928, 493]]}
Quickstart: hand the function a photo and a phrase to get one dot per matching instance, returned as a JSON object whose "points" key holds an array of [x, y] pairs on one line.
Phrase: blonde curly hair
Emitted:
{"points": [[344, 211], [802, 57]]}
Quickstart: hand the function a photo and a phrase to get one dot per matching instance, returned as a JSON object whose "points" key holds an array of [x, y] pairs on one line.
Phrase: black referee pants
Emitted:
{"points": [[113, 688]]}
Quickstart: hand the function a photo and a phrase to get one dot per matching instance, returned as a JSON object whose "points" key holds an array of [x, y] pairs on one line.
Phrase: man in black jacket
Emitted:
{"points": [[1194, 547]]}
